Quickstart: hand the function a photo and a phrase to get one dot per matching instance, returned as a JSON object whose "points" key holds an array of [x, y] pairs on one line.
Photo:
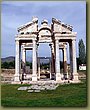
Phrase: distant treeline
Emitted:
{"points": [[8, 65], [11, 65]]}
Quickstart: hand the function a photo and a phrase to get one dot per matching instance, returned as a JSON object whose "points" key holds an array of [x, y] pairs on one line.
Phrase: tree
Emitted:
{"points": [[5, 65], [82, 55], [8, 65]]}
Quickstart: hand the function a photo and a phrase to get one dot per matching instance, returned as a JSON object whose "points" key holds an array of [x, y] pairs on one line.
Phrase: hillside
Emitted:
{"points": [[8, 59]]}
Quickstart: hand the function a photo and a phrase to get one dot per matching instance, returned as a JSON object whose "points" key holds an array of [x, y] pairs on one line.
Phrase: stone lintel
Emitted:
{"points": [[69, 34], [26, 36], [26, 39], [64, 38], [28, 48], [43, 41]]}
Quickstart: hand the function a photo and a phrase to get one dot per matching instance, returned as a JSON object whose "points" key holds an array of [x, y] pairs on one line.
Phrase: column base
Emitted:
{"points": [[58, 77], [52, 76], [75, 77], [65, 76], [16, 78], [34, 77], [23, 76]]}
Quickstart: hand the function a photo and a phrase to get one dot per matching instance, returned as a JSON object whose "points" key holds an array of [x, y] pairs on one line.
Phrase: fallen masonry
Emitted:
{"points": [[38, 88]]}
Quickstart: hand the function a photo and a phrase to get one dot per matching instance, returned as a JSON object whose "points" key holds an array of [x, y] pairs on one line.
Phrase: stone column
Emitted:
{"points": [[34, 63], [38, 68], [65, 61], [17, 62], [71, 63], [75, 74], [24, 55], [23, 63], [50, 68], [57, 62], [52, 61]]}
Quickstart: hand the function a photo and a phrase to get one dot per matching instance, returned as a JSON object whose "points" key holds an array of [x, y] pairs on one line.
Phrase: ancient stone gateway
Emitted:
{"points": [[57, 35]]}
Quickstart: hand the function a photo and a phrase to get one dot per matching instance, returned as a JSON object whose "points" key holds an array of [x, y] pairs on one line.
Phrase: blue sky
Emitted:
{"points": [[15, 14]]}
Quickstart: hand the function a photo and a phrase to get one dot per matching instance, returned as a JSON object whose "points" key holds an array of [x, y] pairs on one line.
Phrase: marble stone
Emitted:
{"points": [[37, 90], [22, 88], [30, 91]]}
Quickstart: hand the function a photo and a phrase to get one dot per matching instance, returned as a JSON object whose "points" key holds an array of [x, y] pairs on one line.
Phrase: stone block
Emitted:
{"points": [[37, 90], [30, 91], [22, 88]]}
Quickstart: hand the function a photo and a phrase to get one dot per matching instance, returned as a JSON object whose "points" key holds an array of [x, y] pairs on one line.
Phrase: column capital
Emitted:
{"points": [[34, 39], [37, 44], [17, 42], [65, 47], [73, 40], [56, 39], [23, 43]]}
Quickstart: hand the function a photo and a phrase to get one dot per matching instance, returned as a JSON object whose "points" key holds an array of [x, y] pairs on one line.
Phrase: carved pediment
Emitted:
{"points": [[58, 26], [45, 31], [29, 27]]}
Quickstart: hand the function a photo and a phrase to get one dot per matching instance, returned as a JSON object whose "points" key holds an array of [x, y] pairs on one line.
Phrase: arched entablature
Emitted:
{"points": [[44, 32]]}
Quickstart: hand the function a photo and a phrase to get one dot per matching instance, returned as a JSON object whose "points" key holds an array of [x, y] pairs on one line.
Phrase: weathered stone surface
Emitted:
{"points": [[30, 91], [42, 88], [37, 90], [22, 88], [29, 87]]}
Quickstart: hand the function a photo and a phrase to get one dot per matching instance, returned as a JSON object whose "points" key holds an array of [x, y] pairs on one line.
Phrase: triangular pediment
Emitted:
{"points": [[44, 30], [28, 27], [60, 26]]}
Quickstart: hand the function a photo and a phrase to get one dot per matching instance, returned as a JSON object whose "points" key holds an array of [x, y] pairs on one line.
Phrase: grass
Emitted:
{"points": [[70, 95]]}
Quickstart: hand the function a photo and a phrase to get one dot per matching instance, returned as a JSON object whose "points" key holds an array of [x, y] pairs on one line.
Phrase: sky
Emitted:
{"points": [[14, 14]]}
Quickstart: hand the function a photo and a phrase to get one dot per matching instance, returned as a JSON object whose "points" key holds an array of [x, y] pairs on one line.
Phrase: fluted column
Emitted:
{"points": [[24, 55], [23, 62], [52, 61], [65, 61], [57, 62], [50, 68], [71, 60], [75, 74], [34, 65], [38, 68], [17, 62]]}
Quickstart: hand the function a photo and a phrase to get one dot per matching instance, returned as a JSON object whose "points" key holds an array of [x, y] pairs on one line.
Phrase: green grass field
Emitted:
{"points": [[68, 95]]}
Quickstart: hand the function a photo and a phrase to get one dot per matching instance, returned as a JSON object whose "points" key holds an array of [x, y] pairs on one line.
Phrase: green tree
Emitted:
{"points": [[12, 65], [5, 65], [82, 55]]}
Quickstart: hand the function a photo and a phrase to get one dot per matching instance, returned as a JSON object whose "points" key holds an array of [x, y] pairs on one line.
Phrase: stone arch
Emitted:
{"points": [[45, 28]]}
